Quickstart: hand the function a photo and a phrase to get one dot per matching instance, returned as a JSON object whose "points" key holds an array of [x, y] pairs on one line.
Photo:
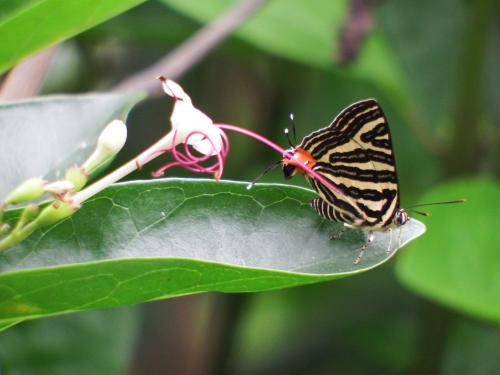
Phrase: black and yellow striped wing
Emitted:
{"points": [[355, 153]]}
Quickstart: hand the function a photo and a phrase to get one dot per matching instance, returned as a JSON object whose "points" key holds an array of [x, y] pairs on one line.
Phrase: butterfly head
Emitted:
{"points": [[291, 166], [401, 217]]}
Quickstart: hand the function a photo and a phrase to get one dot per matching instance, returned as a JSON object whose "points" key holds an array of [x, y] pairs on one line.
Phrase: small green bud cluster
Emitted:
{"points": [[33, 216]]}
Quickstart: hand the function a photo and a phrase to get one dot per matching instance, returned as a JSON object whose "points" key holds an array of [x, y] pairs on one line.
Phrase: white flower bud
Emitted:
{"points": [[59, 188], [109, 143]]}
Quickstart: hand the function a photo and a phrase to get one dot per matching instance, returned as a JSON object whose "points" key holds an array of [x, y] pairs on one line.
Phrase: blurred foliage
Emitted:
{"points": [[425, 62], [472, 349], [308, 333], [459, 267], [92, 342], [43, 22]]}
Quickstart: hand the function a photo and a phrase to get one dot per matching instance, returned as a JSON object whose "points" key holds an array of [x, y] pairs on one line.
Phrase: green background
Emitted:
{"points": [[433, 66]]}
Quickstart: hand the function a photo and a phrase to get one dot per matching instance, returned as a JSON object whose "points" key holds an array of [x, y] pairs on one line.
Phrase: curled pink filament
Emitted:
{"points": [[193, 163]]}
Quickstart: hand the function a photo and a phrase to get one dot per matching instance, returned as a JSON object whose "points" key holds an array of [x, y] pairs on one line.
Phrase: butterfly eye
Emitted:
{"points": [[401, 217]]}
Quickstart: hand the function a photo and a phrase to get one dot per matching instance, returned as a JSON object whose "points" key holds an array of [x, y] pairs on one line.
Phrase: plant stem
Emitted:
{"points": [[132, 165], [18, 235], [189, 53]]}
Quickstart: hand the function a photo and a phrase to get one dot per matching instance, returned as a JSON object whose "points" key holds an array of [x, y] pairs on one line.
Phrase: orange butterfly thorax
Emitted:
{"points": [[299, 155]]}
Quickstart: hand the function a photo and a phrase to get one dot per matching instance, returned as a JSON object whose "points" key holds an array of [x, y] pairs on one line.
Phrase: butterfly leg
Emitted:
{"points": [[364, 247], [336, 236], [389, 248]]}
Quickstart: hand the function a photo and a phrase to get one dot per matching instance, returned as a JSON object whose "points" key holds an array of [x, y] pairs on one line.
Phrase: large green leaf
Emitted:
{"points": [[44, 136], [28, 26], [141, 241], [458, 262]]}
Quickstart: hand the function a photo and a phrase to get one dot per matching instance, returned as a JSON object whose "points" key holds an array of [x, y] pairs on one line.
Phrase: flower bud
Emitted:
{"points": [[30, 189], [109, 143], [59, 188], [77, 176], [56, 211], [4, 229]]}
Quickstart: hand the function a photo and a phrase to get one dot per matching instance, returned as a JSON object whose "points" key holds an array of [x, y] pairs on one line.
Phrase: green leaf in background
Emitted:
{"points": [[141, 241], [458, 262], [29, 26], [410, 28], [44, 136], [291, 28], [91, 342], [305, 32]]}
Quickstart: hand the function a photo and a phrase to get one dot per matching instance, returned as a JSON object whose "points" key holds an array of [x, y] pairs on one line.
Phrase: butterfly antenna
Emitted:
{"points": [[435, 203], [421, 212], [294, 130], [266, 171], [287, 133]]}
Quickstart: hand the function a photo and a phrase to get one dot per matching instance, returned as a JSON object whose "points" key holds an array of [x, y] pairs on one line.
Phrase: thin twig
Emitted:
{"points": [[26, 78], [191, 51]]}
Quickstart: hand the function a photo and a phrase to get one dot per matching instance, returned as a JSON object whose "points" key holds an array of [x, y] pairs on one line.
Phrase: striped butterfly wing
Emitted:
{"points": [[355, 153]]}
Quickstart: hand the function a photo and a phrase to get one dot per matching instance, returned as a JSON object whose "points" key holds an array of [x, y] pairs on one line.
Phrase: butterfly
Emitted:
{"points": [[355, 154]]}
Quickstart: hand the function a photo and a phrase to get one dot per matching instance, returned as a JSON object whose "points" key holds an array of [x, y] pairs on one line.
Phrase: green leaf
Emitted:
{"points": [[29, 26], [7, 324], [290, 28], [91, 342], [45, 136], [458, 263], [142, 241]]}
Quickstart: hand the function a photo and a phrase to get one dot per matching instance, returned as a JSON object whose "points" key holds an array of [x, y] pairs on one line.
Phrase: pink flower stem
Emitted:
{"points": [[283, 152]]}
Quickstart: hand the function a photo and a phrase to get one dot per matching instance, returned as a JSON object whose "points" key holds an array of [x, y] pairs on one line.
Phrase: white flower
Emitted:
{"points": [[191, 125]]}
